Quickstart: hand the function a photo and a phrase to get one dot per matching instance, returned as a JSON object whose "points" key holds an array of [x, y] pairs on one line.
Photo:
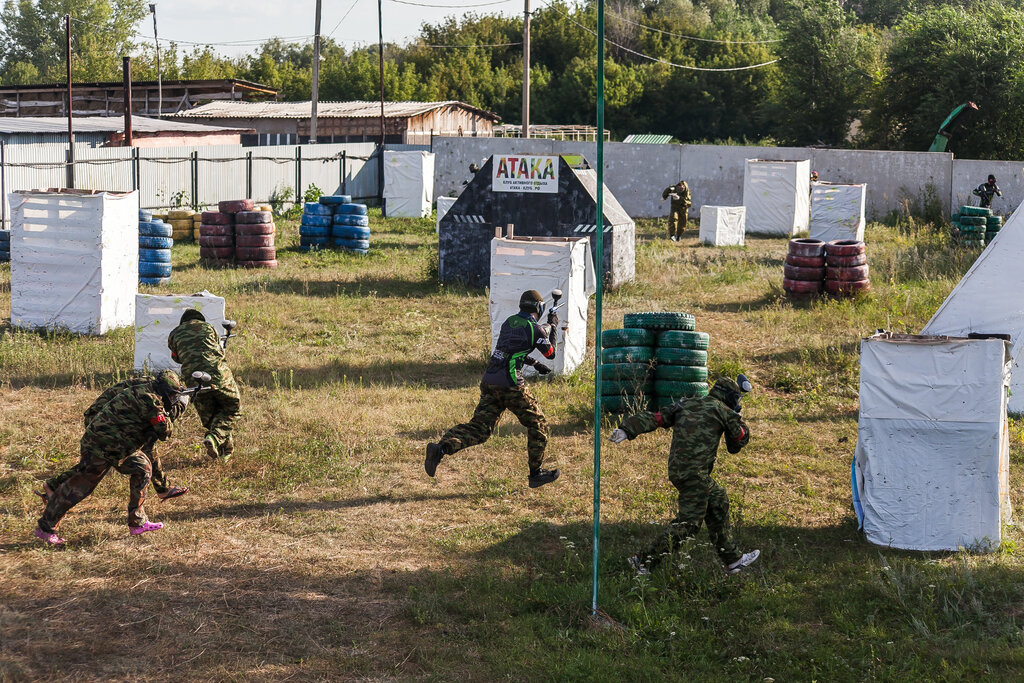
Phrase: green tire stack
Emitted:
{"points": [[627, 365], [992, 227], [970, 225], [681, 356]]}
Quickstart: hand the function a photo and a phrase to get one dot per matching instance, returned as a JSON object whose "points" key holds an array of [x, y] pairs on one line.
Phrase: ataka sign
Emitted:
{"points": [[525, 174]]}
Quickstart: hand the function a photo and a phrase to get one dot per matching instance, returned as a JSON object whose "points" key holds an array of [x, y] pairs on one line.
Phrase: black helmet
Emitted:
{"points": [[192, 314], [726, 391], [531, 302], [991, 178], [473, 168]]}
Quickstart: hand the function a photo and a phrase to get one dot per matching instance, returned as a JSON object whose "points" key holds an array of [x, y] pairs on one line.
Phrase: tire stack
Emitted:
{"points": [[254, 239], [971, 225], [197, 220], [5, 244], [155, 242], [804, 271], [846, 268], [217, 238], [351, 229], [993, 224], [181, 224], [680, 355], [315, 228], [627, 364]]}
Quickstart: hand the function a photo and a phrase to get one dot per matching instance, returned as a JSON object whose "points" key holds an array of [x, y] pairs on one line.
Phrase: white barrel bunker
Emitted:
{"points": [[541, 196]]}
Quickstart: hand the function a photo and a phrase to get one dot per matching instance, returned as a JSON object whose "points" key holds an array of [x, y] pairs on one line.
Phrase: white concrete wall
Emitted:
{"points": [[968, 174]]}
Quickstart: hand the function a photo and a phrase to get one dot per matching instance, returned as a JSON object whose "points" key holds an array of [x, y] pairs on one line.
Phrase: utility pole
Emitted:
{"points": [[159, 79], [380, 47], [71, 127], [127, 69], [526, 69], [316, 75]]}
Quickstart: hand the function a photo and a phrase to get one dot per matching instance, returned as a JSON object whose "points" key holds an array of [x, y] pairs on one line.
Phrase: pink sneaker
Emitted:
{"points": [[51, 538], [148, 526]]}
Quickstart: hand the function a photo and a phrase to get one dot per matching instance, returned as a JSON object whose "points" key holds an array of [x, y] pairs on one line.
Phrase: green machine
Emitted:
{"points": [[946, 129]]}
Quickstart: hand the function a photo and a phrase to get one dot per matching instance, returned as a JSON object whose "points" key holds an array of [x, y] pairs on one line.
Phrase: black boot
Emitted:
{"points": [[539, 477], [433, 459]]}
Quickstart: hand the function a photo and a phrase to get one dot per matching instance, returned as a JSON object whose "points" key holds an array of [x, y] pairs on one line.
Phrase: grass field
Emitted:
{"points": [[322, 550]]}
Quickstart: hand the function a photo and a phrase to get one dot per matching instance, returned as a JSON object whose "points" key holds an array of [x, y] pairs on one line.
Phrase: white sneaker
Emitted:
{"points": [[639, 567], [745, 561]]}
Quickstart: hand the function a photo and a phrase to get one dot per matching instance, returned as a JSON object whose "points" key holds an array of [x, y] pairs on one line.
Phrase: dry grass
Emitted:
{"points": [[323, 551]]}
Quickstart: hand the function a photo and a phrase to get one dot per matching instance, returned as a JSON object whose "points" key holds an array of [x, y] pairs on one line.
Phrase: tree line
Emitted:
{"points": [[873, 74]]}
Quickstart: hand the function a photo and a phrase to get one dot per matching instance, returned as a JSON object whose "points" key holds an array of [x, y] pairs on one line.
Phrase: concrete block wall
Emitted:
{"points": [[968, 174]]}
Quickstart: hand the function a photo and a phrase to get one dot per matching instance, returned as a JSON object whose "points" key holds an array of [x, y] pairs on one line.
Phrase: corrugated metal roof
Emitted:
{"points": [[648, 138], [302, 110], [104, 124]]}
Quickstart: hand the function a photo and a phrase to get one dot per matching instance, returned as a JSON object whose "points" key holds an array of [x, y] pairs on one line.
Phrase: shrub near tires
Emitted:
{"points": [[846, 269], [804, 271], [626, 369]]}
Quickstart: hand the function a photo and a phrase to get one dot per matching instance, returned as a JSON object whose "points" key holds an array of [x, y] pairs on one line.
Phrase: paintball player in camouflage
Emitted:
{"points": [[503, 388], [196, 345], [680, 205], [697, 426], [986, 191], [160, 482], [127, 422]]}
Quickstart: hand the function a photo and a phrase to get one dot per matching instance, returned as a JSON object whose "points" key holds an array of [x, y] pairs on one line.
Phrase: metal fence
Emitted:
{"points": [[194, 177]]}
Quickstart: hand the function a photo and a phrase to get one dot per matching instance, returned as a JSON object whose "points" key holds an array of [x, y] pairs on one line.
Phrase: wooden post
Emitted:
{"points": [[127, 73]]}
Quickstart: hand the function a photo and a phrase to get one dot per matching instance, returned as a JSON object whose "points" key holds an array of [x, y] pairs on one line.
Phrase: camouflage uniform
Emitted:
{"points": [[196, 345], [504, 388], [678, 211], [697, 427], [129, 420]]}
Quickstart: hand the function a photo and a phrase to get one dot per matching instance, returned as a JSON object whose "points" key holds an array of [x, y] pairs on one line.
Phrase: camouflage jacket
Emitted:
{"points": [[129, 420], [196, 345], [697, 426], [104, 398]]}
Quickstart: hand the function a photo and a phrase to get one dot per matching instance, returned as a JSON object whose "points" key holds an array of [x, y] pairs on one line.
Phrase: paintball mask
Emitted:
{"points": [[192, 314], [169, 387], [730, 392], [532, 302]]}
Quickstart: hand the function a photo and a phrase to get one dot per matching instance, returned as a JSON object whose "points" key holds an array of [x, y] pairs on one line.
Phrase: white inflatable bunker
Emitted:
{"points": [[931, 470], [443, 204], [156, 316], [723, 226], [837, 212], [544, 264], [74, 260], [776, 195], [408, 184]]}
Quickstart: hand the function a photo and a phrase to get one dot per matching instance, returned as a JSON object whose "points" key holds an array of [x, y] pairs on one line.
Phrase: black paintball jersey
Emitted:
{"points": [[519, 336]]}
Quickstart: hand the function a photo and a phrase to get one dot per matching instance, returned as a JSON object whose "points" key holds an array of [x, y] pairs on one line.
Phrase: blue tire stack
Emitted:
{"points": [[155, 244], [351, 229], [315, 228], [5, 244]]}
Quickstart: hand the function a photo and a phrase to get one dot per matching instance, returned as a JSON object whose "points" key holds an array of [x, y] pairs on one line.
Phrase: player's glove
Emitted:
{"points": [[541, 368]]}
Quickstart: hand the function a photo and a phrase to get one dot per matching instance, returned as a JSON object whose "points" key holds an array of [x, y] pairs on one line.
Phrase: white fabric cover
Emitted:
{"points": [[156, 316], [776, 194], [545, 264], [723, 226], [74, 260], [837, 212], [988, 299], [443, 204], [932, 459], [408, 184]]}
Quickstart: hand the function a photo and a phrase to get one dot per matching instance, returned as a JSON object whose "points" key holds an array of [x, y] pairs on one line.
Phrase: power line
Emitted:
{"points": [[703, 40], [658, 59], [344, 17], [426, 4], [228, 43], [469, 46]]}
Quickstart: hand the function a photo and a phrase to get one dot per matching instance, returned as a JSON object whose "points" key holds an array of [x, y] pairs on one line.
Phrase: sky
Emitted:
{"points": [[233, 21]]}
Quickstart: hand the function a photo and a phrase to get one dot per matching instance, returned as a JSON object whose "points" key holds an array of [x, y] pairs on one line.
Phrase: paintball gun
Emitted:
{"points": [[745, 387], [229, 327], [556, 294], [202, 379]]}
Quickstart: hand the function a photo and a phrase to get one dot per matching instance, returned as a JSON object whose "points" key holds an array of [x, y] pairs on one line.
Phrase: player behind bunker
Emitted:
{"points": [[541, 196]]}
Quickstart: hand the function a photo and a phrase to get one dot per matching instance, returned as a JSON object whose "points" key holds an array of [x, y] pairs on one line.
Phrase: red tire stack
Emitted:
{"points": [[254, 239], [804, 271], [846, 268], [217, 238]]}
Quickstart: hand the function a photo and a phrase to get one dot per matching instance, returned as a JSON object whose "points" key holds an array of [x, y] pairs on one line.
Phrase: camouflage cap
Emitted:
{"points": [[192, 314]]}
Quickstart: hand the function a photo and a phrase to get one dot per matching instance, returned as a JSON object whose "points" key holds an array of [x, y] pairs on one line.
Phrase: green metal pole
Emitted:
{"points": [[599, 232]]}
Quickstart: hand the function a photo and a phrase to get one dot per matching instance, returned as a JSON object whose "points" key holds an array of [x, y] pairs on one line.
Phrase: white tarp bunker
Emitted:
{"points": [[156, 316], [74, 259], [723, 226], [408, 184], [837, 212], [931, 470], [776, 194], [987, 300], [544, 264], [443, 204]]}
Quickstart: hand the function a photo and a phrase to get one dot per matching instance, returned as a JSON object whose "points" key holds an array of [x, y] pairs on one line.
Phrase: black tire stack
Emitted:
{"points": [[155, 242], [254, 239], [993, 224], [804, 272], [5, 244], [315, 228], [846, 268], [970, 226], [680, 355], [627, 368]]}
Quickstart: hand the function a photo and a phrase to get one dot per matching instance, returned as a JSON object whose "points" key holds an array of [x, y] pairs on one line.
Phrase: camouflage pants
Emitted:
{"points": [[677, 221], [218, 410], [493, 402], [161, 484], [88, 473], [701, 501]]}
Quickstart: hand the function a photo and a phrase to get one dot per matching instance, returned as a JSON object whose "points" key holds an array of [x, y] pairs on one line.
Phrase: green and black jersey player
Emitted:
{"points": [[503, 388]]}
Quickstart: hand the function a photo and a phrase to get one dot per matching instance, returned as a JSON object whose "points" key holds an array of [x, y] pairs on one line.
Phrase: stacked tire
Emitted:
{"points": [[315, 227], [846, 268], [5, 245], [680, 355], [993, 224], [627, 364], [804, 271], [197, 220], [155, 242], [970, 225], [217, 238], [351, 226], [182, 228], [254, 239]]}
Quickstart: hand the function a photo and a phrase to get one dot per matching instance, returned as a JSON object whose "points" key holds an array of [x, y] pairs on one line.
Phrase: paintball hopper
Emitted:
{"points": [[202, 377], [743, 383], [556, 294], [229, 327]]}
